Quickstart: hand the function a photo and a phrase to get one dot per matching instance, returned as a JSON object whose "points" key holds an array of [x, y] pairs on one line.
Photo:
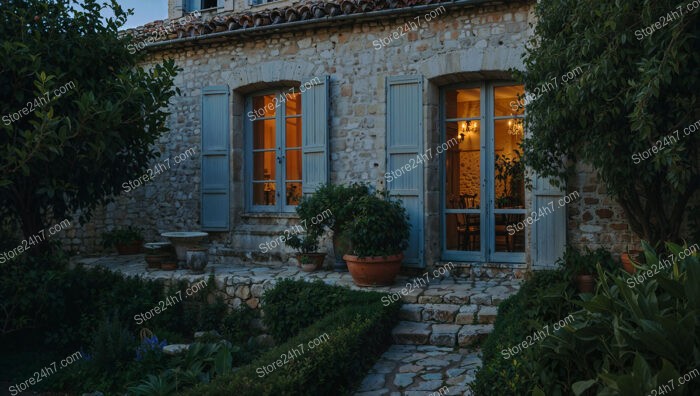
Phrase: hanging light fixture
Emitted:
{"points": [[466, 128], [515, 127]]}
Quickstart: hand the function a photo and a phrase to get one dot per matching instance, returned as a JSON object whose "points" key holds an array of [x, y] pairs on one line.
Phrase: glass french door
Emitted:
{"points": [[483, 183], [275, 168]]}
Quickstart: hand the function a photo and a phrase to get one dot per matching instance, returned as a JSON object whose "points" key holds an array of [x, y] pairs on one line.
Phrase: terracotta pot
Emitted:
{"points": [[154, 260], [133, 247], [585, 283], [168, 264], [310, 262], [374, 271], [627, 260]]}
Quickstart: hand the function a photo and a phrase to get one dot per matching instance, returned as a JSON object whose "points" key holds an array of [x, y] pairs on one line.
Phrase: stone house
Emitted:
{"points": [[412, 96]]}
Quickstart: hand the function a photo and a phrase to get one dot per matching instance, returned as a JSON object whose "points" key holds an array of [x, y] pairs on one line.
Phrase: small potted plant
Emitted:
{"points": [[332, 207], [126, 240], [308, 257], [379, 234], [583, 267]]}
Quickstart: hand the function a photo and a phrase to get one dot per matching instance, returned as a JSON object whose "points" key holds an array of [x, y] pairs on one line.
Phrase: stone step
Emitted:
{"points": [[463, 294], [448, 313], [439, 334]]}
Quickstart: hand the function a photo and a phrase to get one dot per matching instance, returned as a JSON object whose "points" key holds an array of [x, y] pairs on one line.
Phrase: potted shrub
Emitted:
{"points": [[379, 234], [583, 272], [582, 267], [332, 207], [126, 240], [308, 257]]}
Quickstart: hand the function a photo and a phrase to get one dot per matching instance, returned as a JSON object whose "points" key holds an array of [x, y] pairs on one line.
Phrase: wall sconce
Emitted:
{"points": [[467, 128]]}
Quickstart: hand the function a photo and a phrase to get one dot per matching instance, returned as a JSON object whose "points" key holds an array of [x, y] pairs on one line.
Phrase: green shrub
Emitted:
{"points": [[629, 340], [292, 305], [575, 262], [357, 334], [112, 346], [630, 337], [65, 310], [236, 325], [380, 227], [334, 203], [121, 236]]}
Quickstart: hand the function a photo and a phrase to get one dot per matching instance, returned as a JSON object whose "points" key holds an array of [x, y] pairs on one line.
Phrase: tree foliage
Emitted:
{"points": [[636, 89], [79, 115]]}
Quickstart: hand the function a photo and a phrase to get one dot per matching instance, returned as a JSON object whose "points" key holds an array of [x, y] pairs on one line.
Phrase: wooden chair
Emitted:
{"points": [[463, 238], [502, 229], [472, 222]]}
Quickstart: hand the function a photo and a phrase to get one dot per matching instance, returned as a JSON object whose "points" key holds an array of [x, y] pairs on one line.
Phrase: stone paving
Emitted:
{"points": [[413, 370]]}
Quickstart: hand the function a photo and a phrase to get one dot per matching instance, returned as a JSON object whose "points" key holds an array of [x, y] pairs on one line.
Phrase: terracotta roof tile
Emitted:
{"points": [[203, 25]]}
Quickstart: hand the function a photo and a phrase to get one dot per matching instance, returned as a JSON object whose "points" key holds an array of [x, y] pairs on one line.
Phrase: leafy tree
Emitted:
{"points": [[634, 89], [79, 115]]}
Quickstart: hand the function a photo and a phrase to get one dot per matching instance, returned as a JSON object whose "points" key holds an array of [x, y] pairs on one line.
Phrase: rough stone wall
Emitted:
{"points": [[596, 220], [460, 45], [470, 180]]}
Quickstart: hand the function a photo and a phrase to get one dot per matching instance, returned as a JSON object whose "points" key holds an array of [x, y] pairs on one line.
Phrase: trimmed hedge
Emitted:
{"points": [[291, 306], [358, 332], [540, 301]]}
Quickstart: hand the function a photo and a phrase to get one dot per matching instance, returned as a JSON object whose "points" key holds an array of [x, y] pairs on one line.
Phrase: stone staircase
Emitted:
{"points": [[434, 349], [452, 313]]}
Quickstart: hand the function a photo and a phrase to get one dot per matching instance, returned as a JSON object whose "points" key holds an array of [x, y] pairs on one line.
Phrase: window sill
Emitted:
{"points": [[262, 4], [269, 215], [210, 10]]}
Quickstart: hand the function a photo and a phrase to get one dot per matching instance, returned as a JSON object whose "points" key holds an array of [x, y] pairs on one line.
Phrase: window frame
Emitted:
{"points": [[253, 3], [200, 7], [487, 212], [280, 180]]}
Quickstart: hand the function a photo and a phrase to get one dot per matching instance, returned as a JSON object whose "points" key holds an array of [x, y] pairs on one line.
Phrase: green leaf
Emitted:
{"points": [[581, 386]]}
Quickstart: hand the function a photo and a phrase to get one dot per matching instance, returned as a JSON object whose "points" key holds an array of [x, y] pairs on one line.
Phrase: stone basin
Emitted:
{"points": [[156, 245], [184, 240]]}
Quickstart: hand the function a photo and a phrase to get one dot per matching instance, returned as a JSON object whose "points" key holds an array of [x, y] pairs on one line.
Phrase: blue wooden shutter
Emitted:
{"points": [[215, 158], [315, 127], [548, 235], [404, 145]]}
